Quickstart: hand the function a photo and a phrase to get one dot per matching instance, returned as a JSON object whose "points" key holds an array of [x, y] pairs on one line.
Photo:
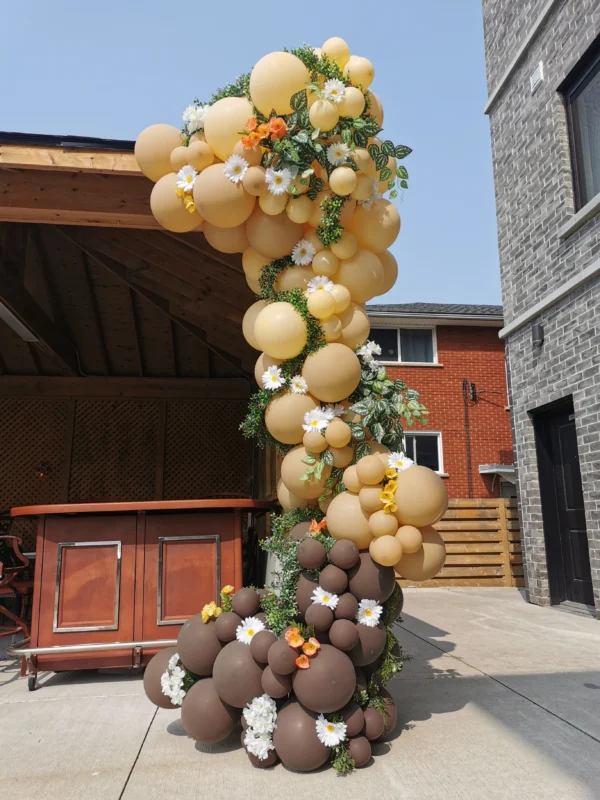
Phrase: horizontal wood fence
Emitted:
{"points": [[483, 544]]}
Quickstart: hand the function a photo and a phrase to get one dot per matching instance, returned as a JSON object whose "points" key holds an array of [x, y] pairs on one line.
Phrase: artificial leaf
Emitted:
{"points": [[299, 101], [301, 136], [393, 194], [373, 150], [402, 151], [315, 134], [381, 161], [309, 459], [362, 449], [402, 172], [404, 184], [385, 174], [319, 470], [360, 138], [327, 458], [359, 124], [388, 148]]}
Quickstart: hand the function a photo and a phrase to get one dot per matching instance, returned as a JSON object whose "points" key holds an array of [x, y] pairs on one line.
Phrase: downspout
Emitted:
{"points": [[465, 391]]}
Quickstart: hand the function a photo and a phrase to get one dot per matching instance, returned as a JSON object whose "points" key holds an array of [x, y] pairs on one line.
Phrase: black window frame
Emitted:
{"points": [[432, 434], [398, 329]]}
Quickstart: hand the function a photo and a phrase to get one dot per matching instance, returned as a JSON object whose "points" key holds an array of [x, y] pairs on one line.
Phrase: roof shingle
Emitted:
{"points": [[431, 309]]}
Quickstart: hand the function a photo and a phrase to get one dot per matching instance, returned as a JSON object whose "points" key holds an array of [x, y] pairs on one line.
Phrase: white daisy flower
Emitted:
{"points": [[249, 627], [235, 168], [174, 661], [324, 598], [330, 733], [303, 253], [315, 420], [273, 379], [193, 116], [399, 461], [368, 613], [329, 413], [337, 153], [278, 182], [334, 90], [186, 178], [338, 410], [319, 284], [298, 385]]}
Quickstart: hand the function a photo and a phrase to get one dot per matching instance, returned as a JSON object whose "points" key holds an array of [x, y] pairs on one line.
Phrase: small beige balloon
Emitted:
{"points": [[428, 559], [350, 479], [253, 155], [263, 362], [273, 204], [179, 158], [321, 304], [346, 246], [325, 263], [332, 373], [314, 441], [312, 236], [299, 209], [364, 162], [289, 500], [332, 328], [280, 330], [293, 468], [254, 181], [355, 326], [219, 201], [386, 550], [341, 296], [284, 416], [169, 209], [359, 71], [253, 263], [323, 115], [370, 470], [382, 524], [362, 275], [223, 122], [338, 433], [409, 537], [353, 103], [249, 321], [337, 50], [293, 278], [274, 80], [272, 236], [421, 497], [200, 155], [342, 456], [390, 271], [376, 228], [343, 181], [370, 498]]}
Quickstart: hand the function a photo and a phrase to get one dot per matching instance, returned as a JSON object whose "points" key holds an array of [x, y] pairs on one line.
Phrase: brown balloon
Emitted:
{"points": [[390, 715], [371, 642], [259, 763], [276, 685], [398, 603], [374, 724], [152, 675], [261, 644], [226, 625], [343, 634], [300, 531], [295, 738], [347, 607], [205, 716], [360, 751], [318, 616], [282, 657], [333, 579], [245, 602], [311, 554], [361, 680], [198, 645], [328, 684], [304, 589], [354, 718], [237, 675], [322, 637], [370, 581], [344, 554]]}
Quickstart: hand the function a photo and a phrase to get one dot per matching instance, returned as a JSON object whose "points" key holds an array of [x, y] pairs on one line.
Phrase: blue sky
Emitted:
{"points": [[109, 69]]}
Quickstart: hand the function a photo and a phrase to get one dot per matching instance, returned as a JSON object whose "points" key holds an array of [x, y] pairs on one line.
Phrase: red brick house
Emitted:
{"points": [[452, 355]]}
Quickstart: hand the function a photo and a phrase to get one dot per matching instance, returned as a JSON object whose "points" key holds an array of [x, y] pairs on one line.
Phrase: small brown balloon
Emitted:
{"points": [[304, 589], [198, 645], [344, 554], [347, 607], [205, 716], [360, 750], [276, 685], [333, 579], [300, 531], [226, 625], [374, 724], [354, 718], [328, 684], [295, 738], [371, 581], [390, 714], [245, 602], [282, 657], [237, 675], [371, 642], [152, 675], [320, 617], [343, 634], [261, 644], [311, 554], [361, 680]]}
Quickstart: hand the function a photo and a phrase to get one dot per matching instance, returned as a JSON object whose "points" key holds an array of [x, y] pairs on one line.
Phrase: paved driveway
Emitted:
{"points": [[500, 699]]}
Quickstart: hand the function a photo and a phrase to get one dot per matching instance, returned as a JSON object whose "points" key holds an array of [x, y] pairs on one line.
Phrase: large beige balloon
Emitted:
{"points": [[272, 236], [347, 520], [390, 271], [370, 499], [226, 240], [381, 451], [342, 456], [421, 497], [427, 561], [364, 162], [263, 362], [287, 499], [220, 202], [325, 263], [280, 330], [253, 263], [249, 322], [332, 373], [293, 278], [223, 122], [153, 150], [168, 208], [253, 155], [292, 470], [285, 415], [362, 274], [355, 326], [376, 228], [314, 441], [343, 180], [274, 80]]}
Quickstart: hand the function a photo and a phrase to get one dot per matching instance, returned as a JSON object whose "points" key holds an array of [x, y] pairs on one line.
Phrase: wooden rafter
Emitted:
{"points": [[19, 156], [136, 331], [95, 310]]}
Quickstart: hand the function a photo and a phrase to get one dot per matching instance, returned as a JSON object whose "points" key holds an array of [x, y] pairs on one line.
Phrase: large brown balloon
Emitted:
{"points": [[198, 645], [261, 644], [329, 683], [347, 607], [374, 724], [205, 716], [237, 675], [426, 562], [421, 497], [344, 554], [371, 642], [304, 589], [282, 657], [354, 718], [226, 625], [274, 684], [360, 751], [245, 602], [319, 617], [152, 675], [333, 579], [371, 581], [344, 634], [311, 555], [390, 714], [295, 738]]}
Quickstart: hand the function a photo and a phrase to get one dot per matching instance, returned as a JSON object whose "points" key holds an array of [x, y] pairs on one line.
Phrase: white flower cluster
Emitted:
{"points": [[319, 418], [171, 681], [261, 716], [375, 195], [193, 116], [368, 352]]}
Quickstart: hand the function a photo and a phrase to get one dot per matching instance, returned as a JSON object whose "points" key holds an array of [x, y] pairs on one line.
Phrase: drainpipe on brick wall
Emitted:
{"points": [[465, 391]]}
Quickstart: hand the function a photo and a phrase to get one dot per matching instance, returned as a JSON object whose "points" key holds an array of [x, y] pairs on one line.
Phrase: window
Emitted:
{"points": [[425, 449], [582, 96], [410, 345]]}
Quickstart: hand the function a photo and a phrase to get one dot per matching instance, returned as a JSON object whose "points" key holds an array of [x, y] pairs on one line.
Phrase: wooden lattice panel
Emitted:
{"points": [[114, 450], [205, 453]]}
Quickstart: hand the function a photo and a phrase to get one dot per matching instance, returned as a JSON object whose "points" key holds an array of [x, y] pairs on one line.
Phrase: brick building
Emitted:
{"points": [[452, 355], [543, 75]]}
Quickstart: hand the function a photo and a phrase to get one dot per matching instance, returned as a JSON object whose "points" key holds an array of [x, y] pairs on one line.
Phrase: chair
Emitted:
{"points": [[13, 583]]}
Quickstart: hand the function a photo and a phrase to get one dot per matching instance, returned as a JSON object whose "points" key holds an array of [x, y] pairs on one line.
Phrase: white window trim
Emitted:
{"points": [[401, 363], [440, 444]]}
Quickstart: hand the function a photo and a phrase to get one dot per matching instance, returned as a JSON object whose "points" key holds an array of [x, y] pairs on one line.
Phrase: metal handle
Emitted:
{"points": [[15, 650]]}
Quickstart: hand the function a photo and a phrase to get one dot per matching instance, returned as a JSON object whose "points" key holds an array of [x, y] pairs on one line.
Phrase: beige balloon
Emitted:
{"points": [[288, 500], [273, 236], [347, 520], [409, 537], [359, 71], [153, 150], [285, 415], [332, 373], [343, 181], [350, 479], [325, 263], [364, 162], [280, 331], [347, 212], [273, 204], [249, 322], [292, 470], [342, 456], [274, 79], [362, 275], [253, 263], [253, 155], [370, 470], [311, 235], [376, 109], [355, 326], [427, 561], [263, 362], [376, 228], [341, 296], [320, 304], [293, 278], [381, 451], [323, 115], [179, 158], [200, 155], [421, 497], [369, 497], [332, 328], [338, 433], [386, 550], [364, 187], [254, 181], [223, 122], [169, 209], [346, 246], [383, 524], [299, 209], [219, 201], [226, 240], [337, 50], [353, 103], [314, 441], [390, 271]]}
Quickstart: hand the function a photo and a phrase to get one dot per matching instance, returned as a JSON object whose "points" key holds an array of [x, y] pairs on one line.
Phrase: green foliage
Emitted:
{"points": [[239, 88], [330, 231], [341, 760], [253, 426]]}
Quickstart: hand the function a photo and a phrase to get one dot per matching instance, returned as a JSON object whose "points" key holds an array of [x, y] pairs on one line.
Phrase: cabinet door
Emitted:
{"points": [[188, 558]]}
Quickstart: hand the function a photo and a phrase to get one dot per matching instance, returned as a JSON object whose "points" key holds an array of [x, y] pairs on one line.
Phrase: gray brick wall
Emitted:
{"points": [[534, 197]]}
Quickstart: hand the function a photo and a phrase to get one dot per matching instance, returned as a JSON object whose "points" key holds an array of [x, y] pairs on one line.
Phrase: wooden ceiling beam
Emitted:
{"points": [[68, 159]]}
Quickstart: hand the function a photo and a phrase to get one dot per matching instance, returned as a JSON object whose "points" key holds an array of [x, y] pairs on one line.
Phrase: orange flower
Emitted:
{"points": [[251, 124], [316, 527], [311, 647], [302, 662], [263, 131], [290, 633], [277, 128], [250, 141], [296, 641]]}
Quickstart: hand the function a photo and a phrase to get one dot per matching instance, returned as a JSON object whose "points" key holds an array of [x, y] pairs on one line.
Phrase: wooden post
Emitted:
{"points": [[508, 578]]}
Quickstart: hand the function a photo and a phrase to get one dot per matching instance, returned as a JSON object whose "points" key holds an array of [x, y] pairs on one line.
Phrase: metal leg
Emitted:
{"points": [[31, 681]]}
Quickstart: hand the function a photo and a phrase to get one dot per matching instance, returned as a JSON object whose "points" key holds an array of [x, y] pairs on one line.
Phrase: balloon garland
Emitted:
{"points": [[285, 167]]}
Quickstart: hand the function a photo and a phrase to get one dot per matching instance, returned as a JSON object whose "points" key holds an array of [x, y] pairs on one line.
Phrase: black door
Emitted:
{"points": [[565, 531]]}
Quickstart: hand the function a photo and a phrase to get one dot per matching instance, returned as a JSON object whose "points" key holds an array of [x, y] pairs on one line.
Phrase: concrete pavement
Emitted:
{"points": [[500, 699]]}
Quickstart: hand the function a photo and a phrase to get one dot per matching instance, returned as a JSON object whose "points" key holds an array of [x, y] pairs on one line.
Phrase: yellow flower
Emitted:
{"points": [[227, 590], [205, 616], [179, 192], [210, 610], [390, 473], [391, 486], [189, 203], [390, 508]]}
